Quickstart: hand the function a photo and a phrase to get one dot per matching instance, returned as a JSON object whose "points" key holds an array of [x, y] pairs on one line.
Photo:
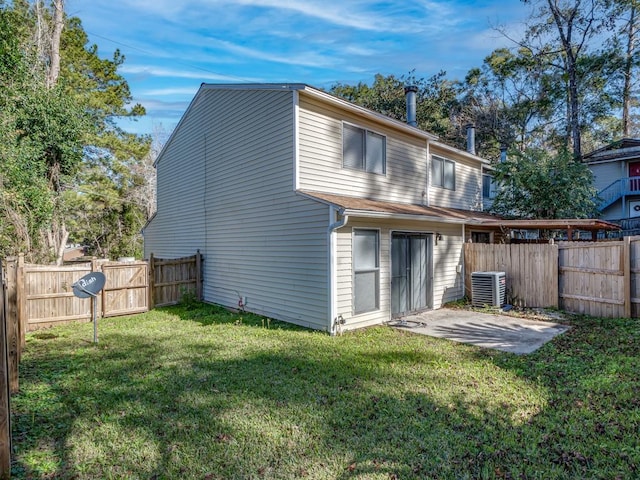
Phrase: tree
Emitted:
{"points": [[558, 37], [623, 46], [536, 184], [386, 95], [56, 124]]}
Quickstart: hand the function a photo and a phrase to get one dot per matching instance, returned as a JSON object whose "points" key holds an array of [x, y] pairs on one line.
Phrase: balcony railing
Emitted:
{"points": [[618, 189]]}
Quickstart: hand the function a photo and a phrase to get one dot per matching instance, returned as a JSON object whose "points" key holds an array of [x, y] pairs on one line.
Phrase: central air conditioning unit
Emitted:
{"points": [[634, 209], [488, 288]]}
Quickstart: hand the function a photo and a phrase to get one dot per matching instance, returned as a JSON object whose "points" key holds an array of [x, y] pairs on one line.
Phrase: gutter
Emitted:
{"points": [[409, 216], [334, 325]]}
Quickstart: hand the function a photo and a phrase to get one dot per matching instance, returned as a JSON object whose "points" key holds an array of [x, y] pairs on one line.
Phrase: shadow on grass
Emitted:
{"points": [[237, 400], [592, 375], [211, 314]]}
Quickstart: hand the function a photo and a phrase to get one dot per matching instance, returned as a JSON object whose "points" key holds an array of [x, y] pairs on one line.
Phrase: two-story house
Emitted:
{"points": [[313, 210], [616, 172]]}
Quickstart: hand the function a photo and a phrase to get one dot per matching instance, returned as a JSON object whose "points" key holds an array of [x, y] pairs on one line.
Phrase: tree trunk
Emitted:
{"points": [[575, 113], [565, 24], [63, 237], [58, 24], [628, 71]]}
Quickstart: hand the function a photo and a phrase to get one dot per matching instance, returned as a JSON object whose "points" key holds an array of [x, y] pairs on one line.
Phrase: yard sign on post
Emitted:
{"points": [[90, 286]]}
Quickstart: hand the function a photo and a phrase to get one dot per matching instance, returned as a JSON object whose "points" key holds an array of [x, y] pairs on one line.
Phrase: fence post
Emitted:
{"points": [[5, 406], [198, 275], [21, 300], [626, 267], [13, 325], [152, 279]]}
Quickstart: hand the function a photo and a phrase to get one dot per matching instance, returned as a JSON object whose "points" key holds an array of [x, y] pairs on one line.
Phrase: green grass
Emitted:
{"points": [[200, 393]]}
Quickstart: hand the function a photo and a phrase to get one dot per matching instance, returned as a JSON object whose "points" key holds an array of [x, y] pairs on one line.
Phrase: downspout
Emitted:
{"points": [[333, 266]]}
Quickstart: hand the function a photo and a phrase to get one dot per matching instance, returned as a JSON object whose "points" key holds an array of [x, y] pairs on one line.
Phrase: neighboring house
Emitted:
{"points": [[312, 210], [616, 171], [73, 252]]}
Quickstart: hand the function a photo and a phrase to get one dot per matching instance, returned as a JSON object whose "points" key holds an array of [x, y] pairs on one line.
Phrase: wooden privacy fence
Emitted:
{"points": [[39, 296], [171, 279], [597, 278], [45, 298], [601, 279], [531, 270]]}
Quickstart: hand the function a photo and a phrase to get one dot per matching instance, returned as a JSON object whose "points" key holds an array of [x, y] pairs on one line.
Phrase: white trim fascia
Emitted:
{"points": [[462, 153], [427, 189], [408, 216], [296, 140]]}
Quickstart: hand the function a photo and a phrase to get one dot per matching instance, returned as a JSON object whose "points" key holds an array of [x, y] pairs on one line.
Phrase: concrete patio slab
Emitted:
{"points": [[502, 332]]}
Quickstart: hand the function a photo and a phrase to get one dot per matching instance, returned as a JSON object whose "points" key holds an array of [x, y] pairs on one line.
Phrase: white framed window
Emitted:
{"points": [[366, 270], [363, 149], [443, 173]]}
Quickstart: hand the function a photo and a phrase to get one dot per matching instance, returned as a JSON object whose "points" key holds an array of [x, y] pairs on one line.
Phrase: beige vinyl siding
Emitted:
{"points": [[177, 229], [468, 192], [604, 174], [447, 255], [320, 157], [448, 284], [262, 241]]}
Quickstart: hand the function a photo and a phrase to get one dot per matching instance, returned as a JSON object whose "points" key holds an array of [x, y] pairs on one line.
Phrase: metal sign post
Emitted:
{"points": [[90, 286]]}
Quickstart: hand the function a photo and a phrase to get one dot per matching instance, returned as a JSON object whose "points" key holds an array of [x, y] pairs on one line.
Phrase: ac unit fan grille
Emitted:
{"points": [[488, 288]]}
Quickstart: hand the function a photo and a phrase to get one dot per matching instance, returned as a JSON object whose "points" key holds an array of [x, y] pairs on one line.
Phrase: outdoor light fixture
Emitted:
{"points": [[438, 237]]}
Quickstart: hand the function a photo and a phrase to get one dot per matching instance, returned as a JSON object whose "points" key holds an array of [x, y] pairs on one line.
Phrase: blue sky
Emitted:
{"points": [[172, 46]]}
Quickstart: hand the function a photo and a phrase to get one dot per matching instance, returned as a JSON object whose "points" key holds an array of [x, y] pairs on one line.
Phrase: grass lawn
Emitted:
{"points": [[200, 393]]}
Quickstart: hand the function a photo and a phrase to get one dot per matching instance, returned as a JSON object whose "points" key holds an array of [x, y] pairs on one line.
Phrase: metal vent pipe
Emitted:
{"points": [[471, 138], [410, 95]]}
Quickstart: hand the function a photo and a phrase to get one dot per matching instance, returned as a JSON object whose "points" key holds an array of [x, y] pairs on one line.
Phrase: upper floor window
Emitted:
{"points": [[363, 149], [488, 186], [443, 173]]}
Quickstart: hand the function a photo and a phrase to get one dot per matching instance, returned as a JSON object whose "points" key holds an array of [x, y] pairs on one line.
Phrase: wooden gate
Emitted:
{"points": [[595, 278], [127, 288], [172, 278]]}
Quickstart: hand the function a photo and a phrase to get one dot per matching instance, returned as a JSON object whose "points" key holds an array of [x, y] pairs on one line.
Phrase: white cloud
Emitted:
{"points": [[165, 107], [307, 58], [347, 14], [202, 74], [169, 91]]}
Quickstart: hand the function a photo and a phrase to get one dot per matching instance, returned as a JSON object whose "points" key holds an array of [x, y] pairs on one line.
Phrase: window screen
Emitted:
{"points": [[443, 173], [366, 254], [363, 150], [375, 153], [353, 147]]}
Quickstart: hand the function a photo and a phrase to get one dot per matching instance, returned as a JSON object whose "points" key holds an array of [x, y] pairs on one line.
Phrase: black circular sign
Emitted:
{"points": [[89, 285]]}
